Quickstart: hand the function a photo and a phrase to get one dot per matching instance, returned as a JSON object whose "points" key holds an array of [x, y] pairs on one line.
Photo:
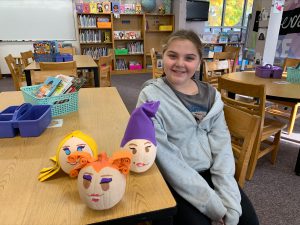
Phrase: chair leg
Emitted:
{"points": [[293, 118], [276, 142], [253, 161]]}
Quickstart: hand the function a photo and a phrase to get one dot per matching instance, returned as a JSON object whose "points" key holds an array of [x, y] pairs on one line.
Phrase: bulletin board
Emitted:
{"points": [[30, 20]]}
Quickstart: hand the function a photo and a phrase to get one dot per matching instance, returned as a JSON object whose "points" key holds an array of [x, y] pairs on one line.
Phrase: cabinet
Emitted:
{"points": [[130, 37]]}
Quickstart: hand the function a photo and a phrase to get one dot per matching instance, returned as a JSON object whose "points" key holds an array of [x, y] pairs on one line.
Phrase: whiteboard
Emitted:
{"points": [[26, 20]]}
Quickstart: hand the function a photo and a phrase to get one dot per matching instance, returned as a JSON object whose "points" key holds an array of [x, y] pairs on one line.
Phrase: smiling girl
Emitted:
{"points": [[193, 142]]}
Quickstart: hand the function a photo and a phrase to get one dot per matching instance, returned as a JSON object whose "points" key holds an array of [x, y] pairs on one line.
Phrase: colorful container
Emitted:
{"points": [[269, 71]]}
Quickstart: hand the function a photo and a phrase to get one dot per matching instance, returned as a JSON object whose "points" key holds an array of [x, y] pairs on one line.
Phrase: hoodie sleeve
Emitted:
{"points": [[184, 179], [223, 167]]}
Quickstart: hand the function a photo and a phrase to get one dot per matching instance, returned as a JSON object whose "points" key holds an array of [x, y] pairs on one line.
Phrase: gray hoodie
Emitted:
{"points": [[185, 148]]}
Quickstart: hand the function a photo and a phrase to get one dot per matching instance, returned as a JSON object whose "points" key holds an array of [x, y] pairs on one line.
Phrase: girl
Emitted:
{"points": [[193, 142]]}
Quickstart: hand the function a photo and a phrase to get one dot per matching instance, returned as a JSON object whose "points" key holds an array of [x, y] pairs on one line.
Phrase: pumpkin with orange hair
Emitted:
{"points": [[101, 183]]}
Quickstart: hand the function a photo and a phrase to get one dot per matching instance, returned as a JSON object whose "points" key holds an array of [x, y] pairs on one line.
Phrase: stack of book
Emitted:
{"points": [[61, 84]]}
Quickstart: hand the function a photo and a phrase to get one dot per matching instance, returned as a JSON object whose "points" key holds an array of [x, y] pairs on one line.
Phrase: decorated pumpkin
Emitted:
{"points": [[77, 141], [139, 137], [101, 183]]}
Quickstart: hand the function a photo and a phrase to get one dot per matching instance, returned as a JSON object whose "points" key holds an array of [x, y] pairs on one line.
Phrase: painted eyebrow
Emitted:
{"points": [[106, 175], [66, 146], [80, 144], [88, 173], [132, 144], [147, 143]]}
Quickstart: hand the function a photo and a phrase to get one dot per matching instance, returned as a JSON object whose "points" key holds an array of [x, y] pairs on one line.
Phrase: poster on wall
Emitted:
{"points": [[277, 6], [289, 34]]}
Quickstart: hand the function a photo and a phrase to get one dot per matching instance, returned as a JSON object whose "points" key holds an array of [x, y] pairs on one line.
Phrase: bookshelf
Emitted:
{"points": [[95, 33], [130, 38]]}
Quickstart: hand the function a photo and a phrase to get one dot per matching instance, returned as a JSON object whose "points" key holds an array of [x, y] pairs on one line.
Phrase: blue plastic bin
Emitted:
{"points": [[67, 57], [26, 119], [34, 121]]}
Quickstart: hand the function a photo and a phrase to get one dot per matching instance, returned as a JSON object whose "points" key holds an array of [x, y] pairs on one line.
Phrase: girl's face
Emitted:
{"points": [[180, 60]]}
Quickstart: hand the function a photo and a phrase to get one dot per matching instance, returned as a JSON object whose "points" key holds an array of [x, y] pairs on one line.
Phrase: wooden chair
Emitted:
{"points": [[105, 67], [60, 66], [156, 72], [38, 77], [267, 127], [67, 50], [26, 58], [16, 72], [243, 128], [227, 55], [289, 62], [281, 108], [236, 50], [214, 69]]}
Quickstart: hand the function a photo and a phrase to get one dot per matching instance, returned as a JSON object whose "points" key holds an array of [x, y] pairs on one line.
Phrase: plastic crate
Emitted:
{"points": [[26, 119], [123, 51], [60, 105], [293, 74], [269, 71]]}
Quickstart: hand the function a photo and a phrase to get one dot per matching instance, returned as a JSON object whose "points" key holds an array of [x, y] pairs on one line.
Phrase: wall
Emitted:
{"points": [[178, 8]]}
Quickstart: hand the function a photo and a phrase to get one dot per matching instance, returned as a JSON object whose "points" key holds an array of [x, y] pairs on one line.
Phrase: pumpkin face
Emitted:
{"points": [[72, 145], [143, 154], [103, 189]]}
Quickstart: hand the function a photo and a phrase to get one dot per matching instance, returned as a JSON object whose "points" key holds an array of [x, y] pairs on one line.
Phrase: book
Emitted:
{"points": [[77, 83], [64, 85], [93, 7], [122, 8], [48, 87], [106, 7], [79, 7], [99, 7], [86, 7], [138, 8], [115, 7]]}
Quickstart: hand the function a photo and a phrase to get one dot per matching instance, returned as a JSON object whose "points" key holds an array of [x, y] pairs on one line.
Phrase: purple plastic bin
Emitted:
{"points": [[59, 58], [34, 121], [6, 126], [26, 119], [10, 109], [269, 71]]}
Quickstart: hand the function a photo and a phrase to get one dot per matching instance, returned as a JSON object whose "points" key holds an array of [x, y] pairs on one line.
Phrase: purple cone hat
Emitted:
{"points": [[140, 125]]}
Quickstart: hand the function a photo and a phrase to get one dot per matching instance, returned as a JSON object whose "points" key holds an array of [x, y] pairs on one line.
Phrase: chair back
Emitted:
{"points": [[38, 77], [235, 50], [105, 68], [214, 69], [243, 128], [290, 62], [226, 56], [27, 57], [15, 71], [156, 72], [60, 66], [67, 50]]}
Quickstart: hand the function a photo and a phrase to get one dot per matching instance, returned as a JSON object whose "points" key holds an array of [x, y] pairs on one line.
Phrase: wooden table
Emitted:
{"points": [[274, 90], [82, 62], [24, 200]]}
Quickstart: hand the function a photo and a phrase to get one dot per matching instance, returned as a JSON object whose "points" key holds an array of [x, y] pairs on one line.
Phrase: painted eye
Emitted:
{"points": [[105, 183], [133, 150], [80, 148], [147, 148], [87, 180], [67, 151]]}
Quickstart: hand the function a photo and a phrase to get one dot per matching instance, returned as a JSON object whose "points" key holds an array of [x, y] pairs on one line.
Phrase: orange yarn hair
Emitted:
{"points": [[120, 160]]}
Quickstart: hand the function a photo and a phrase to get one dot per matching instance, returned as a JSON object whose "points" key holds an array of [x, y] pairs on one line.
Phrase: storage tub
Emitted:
{"points": [[165, 27], [104, 24], [135, 67], [60, 105], [26, 119], [269, 71], [123, 51]]}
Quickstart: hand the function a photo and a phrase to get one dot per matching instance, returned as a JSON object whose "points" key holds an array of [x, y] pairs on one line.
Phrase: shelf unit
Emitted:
{"points": [[145, 24], [95, 41], [154, 36]]}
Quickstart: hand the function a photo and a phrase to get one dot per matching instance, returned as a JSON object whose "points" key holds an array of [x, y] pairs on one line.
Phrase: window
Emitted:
{"points": [[229, 13]]}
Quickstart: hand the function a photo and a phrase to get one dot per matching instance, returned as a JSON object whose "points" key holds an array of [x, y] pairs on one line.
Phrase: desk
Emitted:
{"points": [[284, 92], [24, 200], [82, 62]]}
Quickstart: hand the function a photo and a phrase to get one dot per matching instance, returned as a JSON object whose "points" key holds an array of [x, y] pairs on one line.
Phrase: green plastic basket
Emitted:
{"points": [[60, 105], [293, 74]]}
